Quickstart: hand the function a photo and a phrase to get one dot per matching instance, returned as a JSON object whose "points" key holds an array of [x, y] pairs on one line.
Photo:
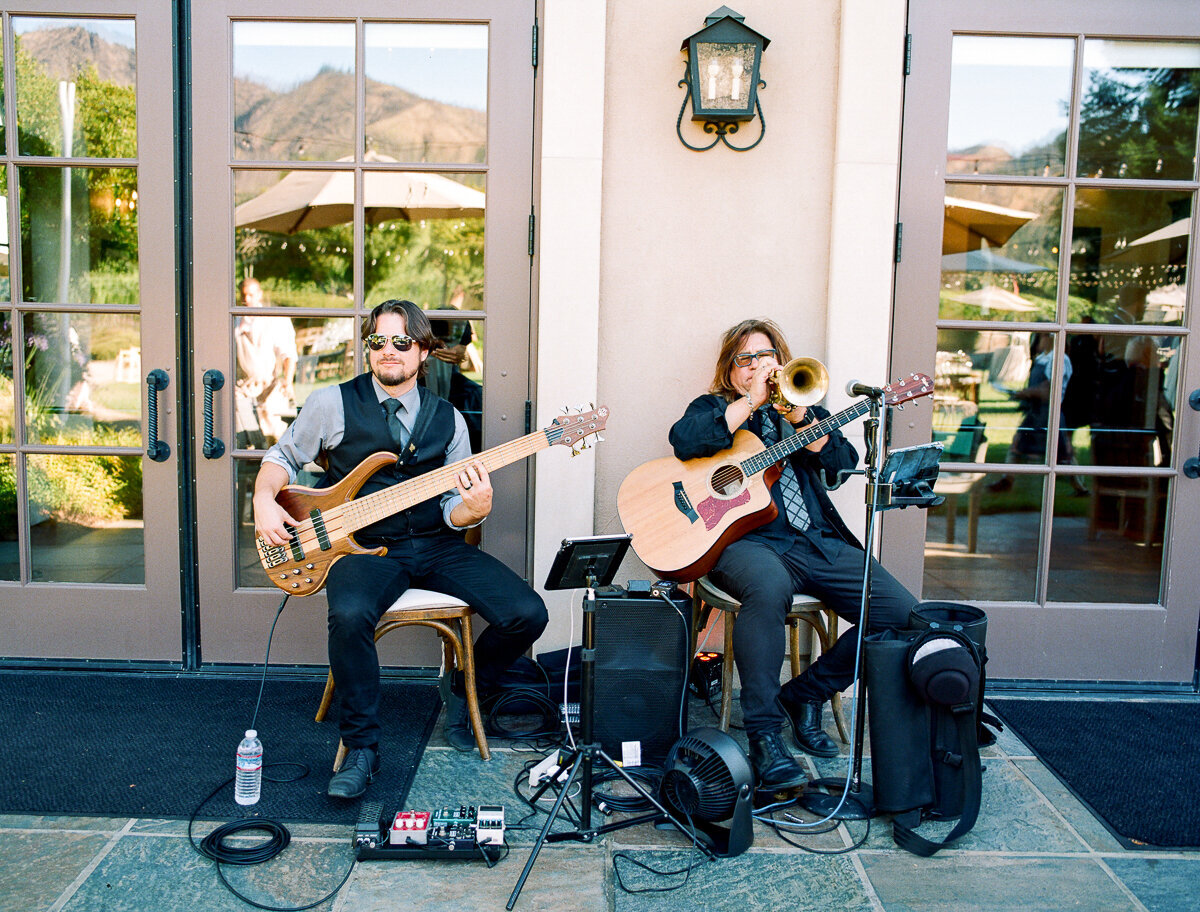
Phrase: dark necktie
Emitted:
{"points": [[789, 484], [395, 428]]}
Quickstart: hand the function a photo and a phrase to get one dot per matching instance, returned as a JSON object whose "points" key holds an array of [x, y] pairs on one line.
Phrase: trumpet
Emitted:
{"points": [[802, 381]]}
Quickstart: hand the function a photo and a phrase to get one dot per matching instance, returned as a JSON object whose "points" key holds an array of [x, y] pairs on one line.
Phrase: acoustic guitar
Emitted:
{"points": [[334, 515], [682, 514]]}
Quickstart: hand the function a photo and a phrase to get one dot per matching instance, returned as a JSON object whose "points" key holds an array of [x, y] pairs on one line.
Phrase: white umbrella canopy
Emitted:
{"points": [[306, 200], [992, 297]]}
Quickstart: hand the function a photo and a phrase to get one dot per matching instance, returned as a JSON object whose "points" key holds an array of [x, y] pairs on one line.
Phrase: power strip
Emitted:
{"points": [[551, 765], [458, 834]]}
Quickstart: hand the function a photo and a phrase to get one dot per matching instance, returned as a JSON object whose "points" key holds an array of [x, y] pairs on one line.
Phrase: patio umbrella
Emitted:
{"points": [[986, 261], [968, 223], [990, 297], [305, 200], [1181, 228], [1168, 244]]}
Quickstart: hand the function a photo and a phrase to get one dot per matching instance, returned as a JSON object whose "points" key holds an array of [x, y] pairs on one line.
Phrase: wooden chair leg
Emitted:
{"points": [[467, 663], [727, 672], [339, 756], [326, 699]]}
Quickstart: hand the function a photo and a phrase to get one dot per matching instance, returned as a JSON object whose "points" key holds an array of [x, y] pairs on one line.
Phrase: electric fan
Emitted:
{"points": [[708, 779]]}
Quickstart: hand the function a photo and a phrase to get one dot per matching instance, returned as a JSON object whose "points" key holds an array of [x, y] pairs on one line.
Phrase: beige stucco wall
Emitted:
{"points": [[798, 229]]}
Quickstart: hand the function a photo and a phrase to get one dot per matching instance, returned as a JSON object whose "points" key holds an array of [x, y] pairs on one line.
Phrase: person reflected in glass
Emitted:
{"points": [[1029, 442], [265, 397], [807, 548], [1134, 414]]}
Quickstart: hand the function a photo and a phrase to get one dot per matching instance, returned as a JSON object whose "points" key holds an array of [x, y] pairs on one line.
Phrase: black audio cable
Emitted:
{"points": [[214, 846]]}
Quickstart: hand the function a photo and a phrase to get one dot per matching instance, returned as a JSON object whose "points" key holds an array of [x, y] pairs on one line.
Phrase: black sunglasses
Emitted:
{"points": [[376, 342]]}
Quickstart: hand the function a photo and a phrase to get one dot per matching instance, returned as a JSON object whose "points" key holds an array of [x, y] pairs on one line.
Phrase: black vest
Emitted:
{"points": [[367, 432]]}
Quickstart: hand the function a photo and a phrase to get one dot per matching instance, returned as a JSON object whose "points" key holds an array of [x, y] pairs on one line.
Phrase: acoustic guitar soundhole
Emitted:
{"points": [[728, 481]]}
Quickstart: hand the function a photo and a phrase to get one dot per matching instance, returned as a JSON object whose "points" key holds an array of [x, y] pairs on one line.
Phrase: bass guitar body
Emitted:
{"points": [[289, 566], [682, 514]]}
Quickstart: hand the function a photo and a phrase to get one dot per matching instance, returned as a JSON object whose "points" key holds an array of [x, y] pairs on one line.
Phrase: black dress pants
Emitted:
{"points": [[764, 582], [362, 587]]}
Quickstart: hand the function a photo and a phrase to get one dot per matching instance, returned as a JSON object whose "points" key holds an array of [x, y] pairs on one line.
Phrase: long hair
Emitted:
{"points": [[416, 324], [731, 344]]}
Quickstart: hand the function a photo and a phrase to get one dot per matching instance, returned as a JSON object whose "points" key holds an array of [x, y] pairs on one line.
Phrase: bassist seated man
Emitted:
{"points": [[805, 549], [385, 409]]}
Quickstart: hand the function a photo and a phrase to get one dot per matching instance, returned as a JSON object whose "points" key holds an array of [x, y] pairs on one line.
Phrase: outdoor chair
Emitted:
{"points": [[451, 618], [706, 595]]}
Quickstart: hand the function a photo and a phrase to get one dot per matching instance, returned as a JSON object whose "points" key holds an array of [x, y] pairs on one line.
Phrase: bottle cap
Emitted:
{"points": [[251, 733]]}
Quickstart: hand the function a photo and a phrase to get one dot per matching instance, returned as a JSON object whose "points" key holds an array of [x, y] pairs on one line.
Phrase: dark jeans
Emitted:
{"points": [[362, 587], [764, 582]]}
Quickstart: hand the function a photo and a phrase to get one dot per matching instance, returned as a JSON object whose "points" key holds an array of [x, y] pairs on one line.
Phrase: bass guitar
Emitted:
{"points": [[334, 515], [682, 514]]}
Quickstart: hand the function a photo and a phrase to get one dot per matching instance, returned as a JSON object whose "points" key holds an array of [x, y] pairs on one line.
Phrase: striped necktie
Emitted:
{"points": [[789, 484]]}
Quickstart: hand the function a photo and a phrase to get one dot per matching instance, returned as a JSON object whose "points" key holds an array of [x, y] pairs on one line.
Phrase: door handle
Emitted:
{"points": [[158, 450], [1191, 467], [214, 447]]}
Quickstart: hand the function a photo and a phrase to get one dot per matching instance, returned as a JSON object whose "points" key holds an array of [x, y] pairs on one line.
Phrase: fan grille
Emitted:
{"points": [[698, 781]]}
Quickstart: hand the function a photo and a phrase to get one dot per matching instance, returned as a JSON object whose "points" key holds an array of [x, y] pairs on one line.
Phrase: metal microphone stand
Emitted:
{"points": [[859, 800]]}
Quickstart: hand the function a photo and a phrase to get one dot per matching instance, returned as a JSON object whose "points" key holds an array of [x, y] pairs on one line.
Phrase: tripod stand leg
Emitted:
{"points": [[661, 813], [580, 759]]}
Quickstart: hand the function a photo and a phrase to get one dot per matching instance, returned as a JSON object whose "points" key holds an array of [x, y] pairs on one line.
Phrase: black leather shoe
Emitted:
{"points": [[774, 766], [357, 770], [806, 726], [457, 728]]}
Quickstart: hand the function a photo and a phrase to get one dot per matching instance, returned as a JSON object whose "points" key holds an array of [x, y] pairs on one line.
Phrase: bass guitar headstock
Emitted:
{"points": [[574, 428]]}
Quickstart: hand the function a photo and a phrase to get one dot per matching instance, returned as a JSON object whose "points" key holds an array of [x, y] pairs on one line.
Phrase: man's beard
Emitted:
{"points": [[392, 374]]}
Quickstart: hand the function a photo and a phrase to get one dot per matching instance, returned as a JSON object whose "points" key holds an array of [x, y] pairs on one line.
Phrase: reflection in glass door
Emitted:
{"points": [[86, 239], [366, 160], [1067, 192]]}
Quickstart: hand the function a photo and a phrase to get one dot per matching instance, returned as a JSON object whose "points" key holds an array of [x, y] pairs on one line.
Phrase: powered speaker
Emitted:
{"points": [[643, 653]]}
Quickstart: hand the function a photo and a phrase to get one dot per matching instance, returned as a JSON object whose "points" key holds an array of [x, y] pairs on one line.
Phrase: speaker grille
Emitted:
{"points": [[642, 656]]}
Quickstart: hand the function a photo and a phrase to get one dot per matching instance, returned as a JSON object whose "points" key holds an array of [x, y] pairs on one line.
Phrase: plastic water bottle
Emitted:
{"points": [[249, 769]]}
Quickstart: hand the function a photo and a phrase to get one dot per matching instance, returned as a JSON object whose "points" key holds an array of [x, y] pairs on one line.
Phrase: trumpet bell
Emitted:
{"points": [[802, 381]]}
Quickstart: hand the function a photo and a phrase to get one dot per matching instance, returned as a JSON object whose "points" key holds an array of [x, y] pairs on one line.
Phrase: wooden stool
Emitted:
{"points": [[451, 618], [706, 595]]}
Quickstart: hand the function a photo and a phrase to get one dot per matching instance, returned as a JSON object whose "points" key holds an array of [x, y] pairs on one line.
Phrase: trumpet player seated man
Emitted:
{"points": [[806, 548], [385, 409]]}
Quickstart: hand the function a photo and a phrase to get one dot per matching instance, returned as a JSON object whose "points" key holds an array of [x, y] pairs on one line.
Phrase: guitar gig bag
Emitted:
{"points": [[924, 693]]}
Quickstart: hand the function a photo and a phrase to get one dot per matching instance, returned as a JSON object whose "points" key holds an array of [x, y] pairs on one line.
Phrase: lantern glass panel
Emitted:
{"points": [[726, 76]]}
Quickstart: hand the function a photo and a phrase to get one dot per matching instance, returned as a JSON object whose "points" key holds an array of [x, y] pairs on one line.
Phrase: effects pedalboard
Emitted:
{"points": [[449, 834]]}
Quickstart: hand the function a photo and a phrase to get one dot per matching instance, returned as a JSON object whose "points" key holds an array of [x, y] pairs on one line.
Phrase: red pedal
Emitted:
{"points": [[410, 827]]}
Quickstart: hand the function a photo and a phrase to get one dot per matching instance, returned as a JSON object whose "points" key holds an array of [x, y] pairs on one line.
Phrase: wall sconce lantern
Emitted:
{"points": [[722, 78]]}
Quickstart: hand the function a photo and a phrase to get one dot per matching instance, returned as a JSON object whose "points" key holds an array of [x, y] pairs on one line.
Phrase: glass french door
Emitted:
{"points": [[88, 453], [342, 158], [1048, 192]]}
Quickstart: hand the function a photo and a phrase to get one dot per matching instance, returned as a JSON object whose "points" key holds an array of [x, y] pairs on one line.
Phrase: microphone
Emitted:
{"points": [[854, 388]]}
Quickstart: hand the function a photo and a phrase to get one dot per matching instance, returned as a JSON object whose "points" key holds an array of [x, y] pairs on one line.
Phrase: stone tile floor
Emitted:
{"points": [[1034, 848]]}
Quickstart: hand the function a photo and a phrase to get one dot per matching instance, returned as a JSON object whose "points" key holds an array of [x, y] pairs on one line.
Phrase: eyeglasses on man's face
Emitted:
{"points": [[376, 342], [745, 359]]}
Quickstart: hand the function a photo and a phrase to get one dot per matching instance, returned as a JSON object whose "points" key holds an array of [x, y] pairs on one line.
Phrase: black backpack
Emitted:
{"points": [[925, 697]]}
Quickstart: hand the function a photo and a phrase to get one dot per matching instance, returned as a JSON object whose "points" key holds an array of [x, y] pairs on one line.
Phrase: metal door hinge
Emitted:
{"points": [[528, 416], [908, 54], [532, 229], [899, 240], [535, 44]]}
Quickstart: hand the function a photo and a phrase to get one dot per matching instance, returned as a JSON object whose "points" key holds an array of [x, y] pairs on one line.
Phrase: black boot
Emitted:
{"points": [[806, 726], [774, 766]]}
